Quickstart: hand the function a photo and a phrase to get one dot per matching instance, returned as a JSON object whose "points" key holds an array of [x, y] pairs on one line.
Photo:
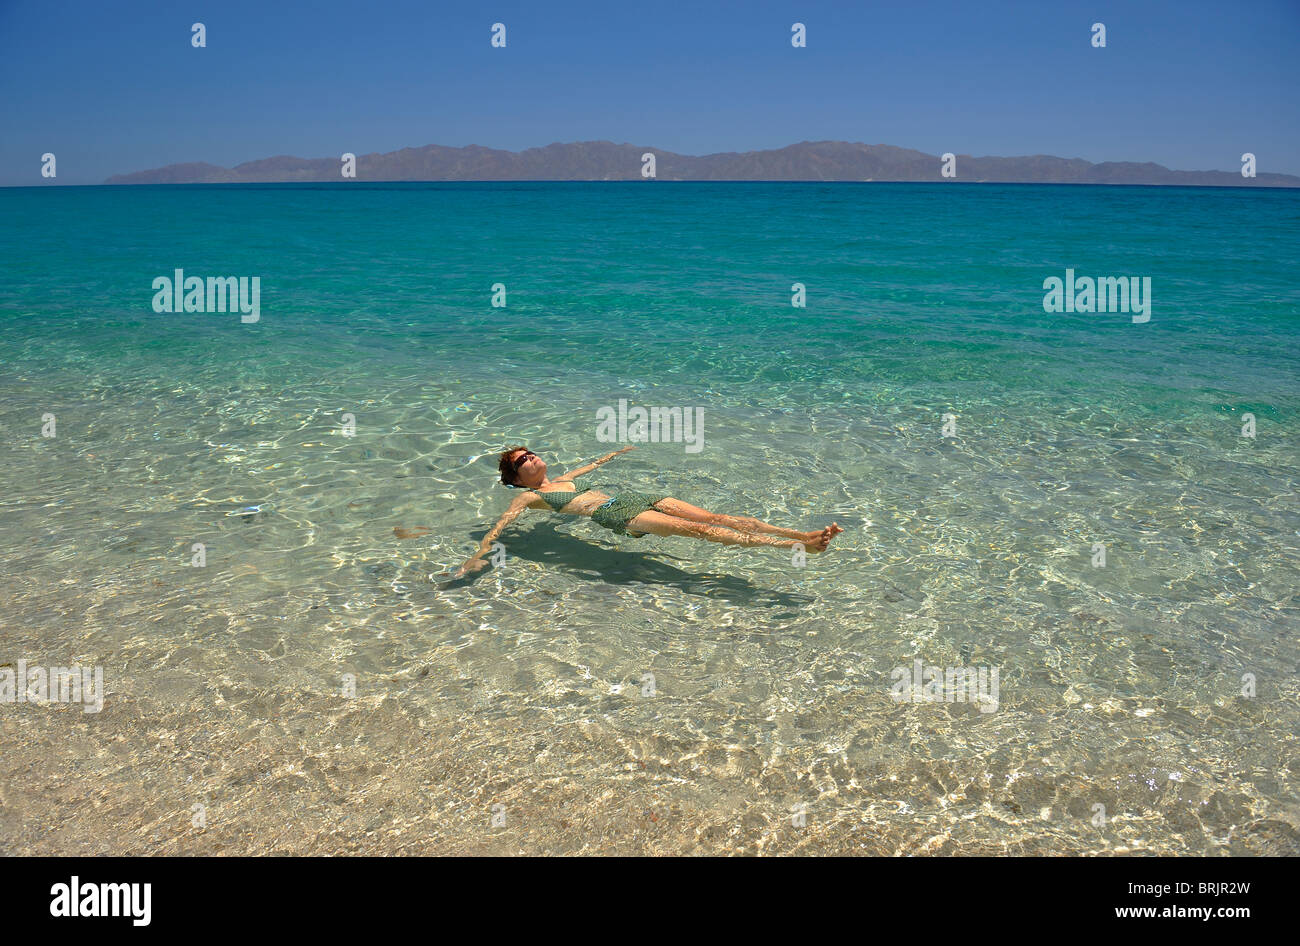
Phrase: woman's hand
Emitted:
{"points": [[588, 467], [473, 565]]}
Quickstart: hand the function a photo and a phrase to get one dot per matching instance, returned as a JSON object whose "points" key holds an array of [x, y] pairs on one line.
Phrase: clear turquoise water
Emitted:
{"points": [[1120, 686]]}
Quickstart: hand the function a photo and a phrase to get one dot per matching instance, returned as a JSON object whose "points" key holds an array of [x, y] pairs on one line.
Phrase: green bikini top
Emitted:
{"points": [[558, 499]]}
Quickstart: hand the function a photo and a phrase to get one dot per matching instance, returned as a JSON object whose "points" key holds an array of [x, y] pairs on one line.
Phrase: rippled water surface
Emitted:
{"points": [[597, 693]]}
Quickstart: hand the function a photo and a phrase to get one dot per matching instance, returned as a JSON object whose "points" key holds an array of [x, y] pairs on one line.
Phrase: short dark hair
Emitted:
{"points": [[507, 468]]}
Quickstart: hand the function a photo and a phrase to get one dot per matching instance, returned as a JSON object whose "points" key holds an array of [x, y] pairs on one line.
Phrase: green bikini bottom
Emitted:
{"points": [[622, 509]]}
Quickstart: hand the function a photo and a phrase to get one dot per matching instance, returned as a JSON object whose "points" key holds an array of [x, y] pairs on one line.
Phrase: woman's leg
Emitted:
{"points": [[675, 507], [658, 523]]}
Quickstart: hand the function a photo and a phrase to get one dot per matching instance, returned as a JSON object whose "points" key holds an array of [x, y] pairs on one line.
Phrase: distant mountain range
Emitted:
{"points": [[606, 161]]}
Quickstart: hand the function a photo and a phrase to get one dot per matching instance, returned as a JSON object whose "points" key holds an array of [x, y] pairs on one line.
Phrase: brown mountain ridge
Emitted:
{"points": [[607, 161]]}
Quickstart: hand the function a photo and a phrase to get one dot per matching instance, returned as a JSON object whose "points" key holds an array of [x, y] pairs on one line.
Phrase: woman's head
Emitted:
{"points": [[519, 466]]}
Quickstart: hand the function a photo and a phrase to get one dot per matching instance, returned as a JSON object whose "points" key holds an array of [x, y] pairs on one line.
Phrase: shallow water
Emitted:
{"points": [[767, 725]]}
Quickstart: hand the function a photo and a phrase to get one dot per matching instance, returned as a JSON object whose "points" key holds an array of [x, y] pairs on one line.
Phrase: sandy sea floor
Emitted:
{"points": [[771, 726]]}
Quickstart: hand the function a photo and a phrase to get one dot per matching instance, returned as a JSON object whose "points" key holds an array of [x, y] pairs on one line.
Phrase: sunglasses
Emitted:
{"points": [[519, 460]]}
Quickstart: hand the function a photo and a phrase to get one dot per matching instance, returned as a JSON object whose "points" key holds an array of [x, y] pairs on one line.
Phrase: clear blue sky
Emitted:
{"points": [[112, 87]]}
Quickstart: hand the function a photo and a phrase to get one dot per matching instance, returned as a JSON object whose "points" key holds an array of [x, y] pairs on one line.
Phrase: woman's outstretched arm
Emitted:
{"points": [[583, 470], [476, 561]]}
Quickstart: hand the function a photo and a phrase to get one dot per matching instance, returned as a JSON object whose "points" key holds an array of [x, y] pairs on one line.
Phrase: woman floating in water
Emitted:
{"points": [[634, 514]]}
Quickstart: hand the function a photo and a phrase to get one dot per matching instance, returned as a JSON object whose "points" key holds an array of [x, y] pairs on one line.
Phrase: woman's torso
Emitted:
{"points": [[582, 502]]}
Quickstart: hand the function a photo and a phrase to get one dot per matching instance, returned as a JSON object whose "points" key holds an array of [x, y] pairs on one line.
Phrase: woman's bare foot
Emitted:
{"points": [[818, 541]]}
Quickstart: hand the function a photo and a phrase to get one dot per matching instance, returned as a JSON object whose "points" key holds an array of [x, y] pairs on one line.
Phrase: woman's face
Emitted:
{"points": [[529, 468]]}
